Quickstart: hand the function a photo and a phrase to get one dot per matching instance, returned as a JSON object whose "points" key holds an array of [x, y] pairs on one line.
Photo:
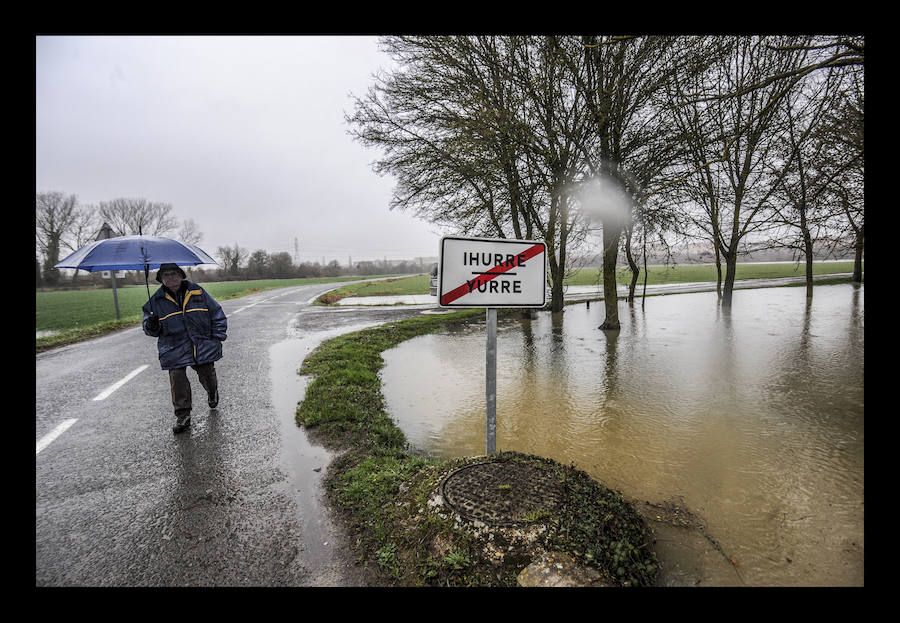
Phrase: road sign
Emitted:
{"points": [[492, 272]]}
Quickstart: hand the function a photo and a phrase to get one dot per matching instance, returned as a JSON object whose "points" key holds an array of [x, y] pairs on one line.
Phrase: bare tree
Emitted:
{"points": [[629, 146], [803, 190], [417, 117], [190, 232], [232, 258], [258, 265], [827, 52], [455, 126], [733, 141], [85, 226], [843, 155], [281, 265], [556, 124], [82, 231], [133, 216], [726, 156], [55, 213], [492, 135]]}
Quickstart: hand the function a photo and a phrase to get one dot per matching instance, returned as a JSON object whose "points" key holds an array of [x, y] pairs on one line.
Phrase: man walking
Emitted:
{"points": [[191, 327]]}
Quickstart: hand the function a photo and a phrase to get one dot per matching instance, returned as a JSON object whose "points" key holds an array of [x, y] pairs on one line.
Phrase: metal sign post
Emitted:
{"points": [[106, 233], [492, 273], [491, 382], [115, 295]]}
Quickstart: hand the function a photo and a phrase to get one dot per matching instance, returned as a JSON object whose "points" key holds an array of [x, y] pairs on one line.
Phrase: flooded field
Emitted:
{"points": [[753, 420]]}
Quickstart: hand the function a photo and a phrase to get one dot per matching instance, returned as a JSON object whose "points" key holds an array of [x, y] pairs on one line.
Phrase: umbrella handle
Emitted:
{"points": [[146, 267]]}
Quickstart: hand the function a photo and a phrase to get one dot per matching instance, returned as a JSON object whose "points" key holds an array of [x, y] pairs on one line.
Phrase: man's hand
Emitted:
{"points": [[153, 322]]}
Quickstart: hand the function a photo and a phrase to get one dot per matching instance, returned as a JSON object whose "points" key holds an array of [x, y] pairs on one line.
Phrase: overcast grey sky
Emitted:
{"points": [[245, 135]]}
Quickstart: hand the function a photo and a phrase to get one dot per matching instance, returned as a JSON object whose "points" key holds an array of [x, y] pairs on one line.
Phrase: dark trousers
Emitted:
{"points": [[181, 386]]}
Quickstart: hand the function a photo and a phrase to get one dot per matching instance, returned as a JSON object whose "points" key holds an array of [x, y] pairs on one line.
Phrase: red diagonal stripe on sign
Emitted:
{"points": [[499, 269]]}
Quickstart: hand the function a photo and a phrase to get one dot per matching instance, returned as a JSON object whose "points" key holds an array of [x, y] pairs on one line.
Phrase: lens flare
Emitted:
{"points": [[603, 198]]}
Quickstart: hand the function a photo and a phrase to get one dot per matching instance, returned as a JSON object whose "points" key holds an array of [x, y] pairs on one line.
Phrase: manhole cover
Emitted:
{"points": [[502, 493]]}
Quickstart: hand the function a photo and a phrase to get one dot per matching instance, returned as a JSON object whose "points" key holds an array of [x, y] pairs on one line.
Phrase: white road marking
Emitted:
{"points": [[109, 390], [237, 311], [47, 439]]}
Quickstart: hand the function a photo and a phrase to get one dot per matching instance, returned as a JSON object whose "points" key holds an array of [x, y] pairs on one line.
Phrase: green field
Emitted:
{"points": [[688, 273], [80, 314], [683, 273]]}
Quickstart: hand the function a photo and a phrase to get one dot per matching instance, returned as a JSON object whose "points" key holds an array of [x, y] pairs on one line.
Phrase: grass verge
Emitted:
{"points": [[385, 493], [399, 286]]}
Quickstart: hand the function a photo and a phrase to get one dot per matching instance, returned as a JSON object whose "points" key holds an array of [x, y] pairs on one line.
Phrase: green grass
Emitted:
{"points": [[82, 314], [344, 401], [382, 491], [417, 284], [398, 286]]}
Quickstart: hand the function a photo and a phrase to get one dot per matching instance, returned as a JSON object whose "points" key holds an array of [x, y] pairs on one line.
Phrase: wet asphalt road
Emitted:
{"points": [[121, 501]]}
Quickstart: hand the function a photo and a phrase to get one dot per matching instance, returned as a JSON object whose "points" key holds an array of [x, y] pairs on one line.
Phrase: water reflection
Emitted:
{"points": [[754, 416]]}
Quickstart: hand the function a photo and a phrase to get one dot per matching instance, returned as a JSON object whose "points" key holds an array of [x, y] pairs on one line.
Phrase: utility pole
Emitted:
{"points": [[106, 232]]}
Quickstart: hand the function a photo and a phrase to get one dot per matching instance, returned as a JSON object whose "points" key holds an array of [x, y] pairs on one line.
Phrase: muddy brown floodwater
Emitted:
{"points": [[751, 420]]}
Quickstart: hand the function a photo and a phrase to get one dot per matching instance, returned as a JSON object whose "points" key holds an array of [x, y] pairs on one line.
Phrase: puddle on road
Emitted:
{"points": [[754, 419], [306, 463]]}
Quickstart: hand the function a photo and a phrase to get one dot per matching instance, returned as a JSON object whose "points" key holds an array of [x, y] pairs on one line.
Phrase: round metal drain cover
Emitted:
{"points": [[502, 493]]}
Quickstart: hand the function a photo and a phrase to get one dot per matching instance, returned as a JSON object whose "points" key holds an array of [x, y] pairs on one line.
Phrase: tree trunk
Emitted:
{"points": [[51, 274], [514, 200], [612, 232], [557, 266], [563, 241], [556, 283], [718, 273], [644, 254], [730, 270], [857, 260], [635, 270], [807, 246]]}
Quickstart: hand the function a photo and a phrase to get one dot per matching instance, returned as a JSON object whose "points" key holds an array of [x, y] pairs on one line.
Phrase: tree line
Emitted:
{"points": [[237, 263], [63, 225], [742, 141]]}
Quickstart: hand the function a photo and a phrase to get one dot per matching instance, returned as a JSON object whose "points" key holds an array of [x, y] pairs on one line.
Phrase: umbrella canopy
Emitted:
{"points": [[134, 253]]}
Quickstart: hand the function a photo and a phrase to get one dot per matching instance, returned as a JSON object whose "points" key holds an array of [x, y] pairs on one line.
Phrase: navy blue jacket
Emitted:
{"points": [[191, 330]]}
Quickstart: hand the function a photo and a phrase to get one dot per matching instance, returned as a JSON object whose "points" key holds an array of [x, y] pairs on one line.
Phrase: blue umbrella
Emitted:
{"points": [[134, 253]]}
